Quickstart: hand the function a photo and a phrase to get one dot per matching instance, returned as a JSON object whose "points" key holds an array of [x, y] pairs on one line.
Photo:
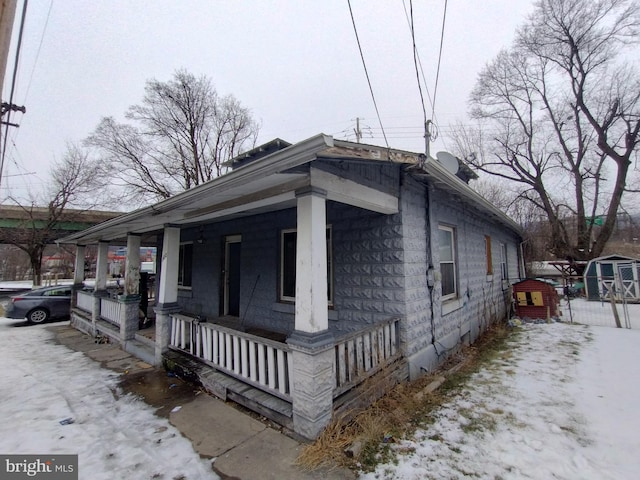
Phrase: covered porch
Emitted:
{"points": [[299, 375]]}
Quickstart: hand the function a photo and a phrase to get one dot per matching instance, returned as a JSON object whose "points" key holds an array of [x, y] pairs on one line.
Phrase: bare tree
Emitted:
{"points": [[180, 136], [74, 183], [563, 111]]}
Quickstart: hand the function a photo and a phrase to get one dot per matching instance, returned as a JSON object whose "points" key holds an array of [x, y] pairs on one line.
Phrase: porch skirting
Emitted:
{"points": [[104, 331], [298, 384]]}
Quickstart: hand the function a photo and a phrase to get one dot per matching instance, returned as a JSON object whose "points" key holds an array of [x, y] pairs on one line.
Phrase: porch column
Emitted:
{"points": [[312, 345], [78, 274], [311, 262], [167, 299], [102, 267], [130, 298], [100, 288]]}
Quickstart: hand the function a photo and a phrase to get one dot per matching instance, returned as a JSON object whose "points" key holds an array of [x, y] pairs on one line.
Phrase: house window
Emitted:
{"points": [[447, 261], [185, 262], [288, 242], [503, 262], [487, 246]]}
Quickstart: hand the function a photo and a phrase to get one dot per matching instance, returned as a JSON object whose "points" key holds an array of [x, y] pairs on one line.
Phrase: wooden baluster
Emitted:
{"points": [[282, 380], [253, 367]]}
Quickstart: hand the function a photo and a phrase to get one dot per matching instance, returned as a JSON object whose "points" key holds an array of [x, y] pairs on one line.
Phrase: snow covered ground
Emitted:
{"points": [[114, 436], [562, 403], [601, 313]]}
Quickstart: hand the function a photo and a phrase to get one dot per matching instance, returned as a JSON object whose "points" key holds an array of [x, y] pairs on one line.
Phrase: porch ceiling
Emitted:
{"points": [[259, 195]]}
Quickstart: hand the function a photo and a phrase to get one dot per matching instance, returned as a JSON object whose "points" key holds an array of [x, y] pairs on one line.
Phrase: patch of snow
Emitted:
{"points": [[114, 435], [590, 312], [561, 403]]}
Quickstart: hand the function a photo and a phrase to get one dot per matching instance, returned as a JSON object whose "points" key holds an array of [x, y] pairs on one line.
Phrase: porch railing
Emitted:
{"points": [[363, 353], [85, 301], [110, 310], [261, 362]]}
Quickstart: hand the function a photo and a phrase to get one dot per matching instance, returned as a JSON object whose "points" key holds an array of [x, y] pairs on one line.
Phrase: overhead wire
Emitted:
{"points": [[416, 53], [35, 63], [415, 64], [13, 86], [435, 89], [366, 72], [435, 123]]}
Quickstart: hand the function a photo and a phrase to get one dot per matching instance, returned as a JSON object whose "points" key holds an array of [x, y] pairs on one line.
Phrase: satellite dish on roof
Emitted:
{"points": [[448, 161]]}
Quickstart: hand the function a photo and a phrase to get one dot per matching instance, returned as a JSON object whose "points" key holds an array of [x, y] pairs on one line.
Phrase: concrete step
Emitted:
{"points": [[142, 350]]}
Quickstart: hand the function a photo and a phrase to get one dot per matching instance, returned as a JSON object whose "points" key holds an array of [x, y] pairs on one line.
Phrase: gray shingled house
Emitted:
{"points": [[306, 270]]}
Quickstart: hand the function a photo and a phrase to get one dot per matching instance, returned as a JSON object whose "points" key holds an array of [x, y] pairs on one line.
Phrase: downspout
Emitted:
{"points": [[521, 264]]}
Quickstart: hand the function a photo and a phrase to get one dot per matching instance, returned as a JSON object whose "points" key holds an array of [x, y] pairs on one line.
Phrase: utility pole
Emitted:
{"points": [[357, 130], [7, 17], [4, 108]]}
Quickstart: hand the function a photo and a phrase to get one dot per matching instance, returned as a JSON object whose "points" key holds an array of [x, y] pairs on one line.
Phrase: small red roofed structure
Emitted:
{"points": [[536, 299]]}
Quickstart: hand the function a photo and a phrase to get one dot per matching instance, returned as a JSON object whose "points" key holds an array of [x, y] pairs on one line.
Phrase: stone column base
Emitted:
{"points": [[128, 316], [163, 328], [312, 381]]}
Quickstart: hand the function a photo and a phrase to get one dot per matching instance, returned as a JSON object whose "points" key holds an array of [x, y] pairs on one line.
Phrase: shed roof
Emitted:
{"points": [[614, 257]]}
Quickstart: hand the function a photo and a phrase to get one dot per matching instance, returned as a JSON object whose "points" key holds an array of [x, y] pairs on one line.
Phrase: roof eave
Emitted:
{"points": [[433, 169], [277, 162]]}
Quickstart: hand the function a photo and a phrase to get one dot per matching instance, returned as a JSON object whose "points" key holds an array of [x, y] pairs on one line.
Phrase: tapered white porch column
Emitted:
{"points": [[100, 287], [78, 274], [167, 299], [132, 270], [102, 266], [312, 345], [130, 298], [311, 263]]}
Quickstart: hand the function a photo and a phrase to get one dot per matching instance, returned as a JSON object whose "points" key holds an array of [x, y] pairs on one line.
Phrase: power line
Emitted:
{"points": [[13, 86], [435, 89], [415, 64], [366, 72], [44, 29], [417, 54]]}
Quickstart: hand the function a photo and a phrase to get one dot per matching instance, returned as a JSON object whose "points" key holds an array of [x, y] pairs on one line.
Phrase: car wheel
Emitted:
{"points": [[38, 315]]}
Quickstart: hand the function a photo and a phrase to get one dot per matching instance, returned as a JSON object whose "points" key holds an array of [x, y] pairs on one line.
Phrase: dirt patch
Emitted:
{"points": [[160, 389]]}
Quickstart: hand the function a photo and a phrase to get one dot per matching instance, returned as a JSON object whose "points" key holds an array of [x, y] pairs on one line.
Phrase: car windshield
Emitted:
{"points": [[59, 292]]}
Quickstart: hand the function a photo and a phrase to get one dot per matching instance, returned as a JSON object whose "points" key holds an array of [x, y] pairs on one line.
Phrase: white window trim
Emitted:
{"points": [[187, 287], [452, 305], [330, 286], [283, 297], [504, 265], [454, 295]]}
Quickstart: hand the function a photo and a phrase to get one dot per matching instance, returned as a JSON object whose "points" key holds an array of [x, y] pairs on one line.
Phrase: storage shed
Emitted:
{"points": [[613, 272], [535, 299]]}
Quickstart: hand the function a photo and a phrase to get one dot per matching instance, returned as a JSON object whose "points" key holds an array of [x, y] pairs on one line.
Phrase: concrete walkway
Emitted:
{"points": [[241, 447]]}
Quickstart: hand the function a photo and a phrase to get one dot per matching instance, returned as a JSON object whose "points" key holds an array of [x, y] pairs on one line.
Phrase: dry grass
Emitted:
{"points": [[362, 440]]}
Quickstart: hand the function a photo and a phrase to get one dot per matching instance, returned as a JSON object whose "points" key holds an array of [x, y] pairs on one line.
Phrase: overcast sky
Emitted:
{"points": [[294, 64]]}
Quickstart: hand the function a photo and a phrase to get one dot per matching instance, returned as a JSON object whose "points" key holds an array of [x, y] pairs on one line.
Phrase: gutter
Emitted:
{"points": [[433, 169]]}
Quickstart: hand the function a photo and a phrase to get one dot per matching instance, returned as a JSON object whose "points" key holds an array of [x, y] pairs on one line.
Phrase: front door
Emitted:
{"points": [[232, 275]]}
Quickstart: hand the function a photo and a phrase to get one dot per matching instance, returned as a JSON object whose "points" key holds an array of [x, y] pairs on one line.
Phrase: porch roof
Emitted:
{"points": [[267, 184], [270, 183]]}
